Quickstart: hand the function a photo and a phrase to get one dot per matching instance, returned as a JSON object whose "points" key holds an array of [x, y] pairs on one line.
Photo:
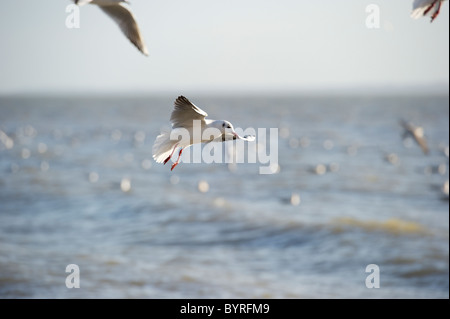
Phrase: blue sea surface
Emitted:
{"points": [[78, 185]]}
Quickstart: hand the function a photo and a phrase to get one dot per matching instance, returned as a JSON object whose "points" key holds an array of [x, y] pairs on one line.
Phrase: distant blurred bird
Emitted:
{"points": [[123, 17], [426, 8], [186, 118], [445, 189], [417, 133]]}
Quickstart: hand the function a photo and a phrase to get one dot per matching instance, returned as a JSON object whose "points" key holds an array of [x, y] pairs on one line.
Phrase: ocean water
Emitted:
{"points": [[78, 186]]}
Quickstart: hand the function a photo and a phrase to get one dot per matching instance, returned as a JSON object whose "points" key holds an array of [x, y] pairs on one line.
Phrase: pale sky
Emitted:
{"points": [[228, 45]]}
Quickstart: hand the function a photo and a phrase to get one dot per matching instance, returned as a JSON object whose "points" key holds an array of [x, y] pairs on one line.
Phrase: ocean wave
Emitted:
{"points": [[394, 226]]}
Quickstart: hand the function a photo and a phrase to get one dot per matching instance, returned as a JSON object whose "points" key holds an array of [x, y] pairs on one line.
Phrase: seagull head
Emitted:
{"points": [[227, 128]]}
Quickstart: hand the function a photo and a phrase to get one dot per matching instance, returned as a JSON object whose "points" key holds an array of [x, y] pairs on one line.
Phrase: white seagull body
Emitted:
{"points": [[430, 8], [123, 17], [188, 118]]}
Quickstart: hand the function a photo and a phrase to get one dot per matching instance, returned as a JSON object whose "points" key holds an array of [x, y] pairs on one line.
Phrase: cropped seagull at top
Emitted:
{"points": [[186, 118], [426, 8], [123, 17]]}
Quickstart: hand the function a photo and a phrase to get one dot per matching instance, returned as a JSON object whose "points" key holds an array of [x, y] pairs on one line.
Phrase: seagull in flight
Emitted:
{"points": [[120, 13], [418, 133], [426, 8], [186, 118]]}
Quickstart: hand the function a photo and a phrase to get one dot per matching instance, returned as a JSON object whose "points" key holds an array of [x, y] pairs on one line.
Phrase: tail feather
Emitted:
{"points": [[162, 148], [418, 13]]}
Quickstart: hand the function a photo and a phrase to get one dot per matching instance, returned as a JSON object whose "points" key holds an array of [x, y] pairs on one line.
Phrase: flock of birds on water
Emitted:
{"points": [[412, 133]]}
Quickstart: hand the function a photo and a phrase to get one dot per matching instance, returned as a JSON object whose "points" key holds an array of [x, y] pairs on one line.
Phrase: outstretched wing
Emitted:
{"points": [[127, 23], [185, 113]]}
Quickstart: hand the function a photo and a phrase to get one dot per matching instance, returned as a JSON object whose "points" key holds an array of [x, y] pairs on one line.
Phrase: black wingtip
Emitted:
{"points": [[182, 99]]}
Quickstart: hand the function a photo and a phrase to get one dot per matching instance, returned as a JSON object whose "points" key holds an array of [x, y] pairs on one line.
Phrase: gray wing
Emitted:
{"points": [[185, 113], [127, 23]]}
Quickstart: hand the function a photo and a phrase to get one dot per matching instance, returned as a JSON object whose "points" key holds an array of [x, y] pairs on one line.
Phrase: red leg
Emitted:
{"points": [[176, 163], [437, 11], [429, 8], [167, 159]]}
